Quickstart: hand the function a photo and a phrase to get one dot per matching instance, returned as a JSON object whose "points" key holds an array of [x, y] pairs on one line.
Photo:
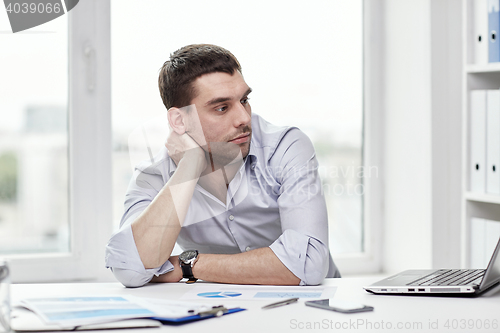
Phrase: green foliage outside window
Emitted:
{"points": [[8, 177]]}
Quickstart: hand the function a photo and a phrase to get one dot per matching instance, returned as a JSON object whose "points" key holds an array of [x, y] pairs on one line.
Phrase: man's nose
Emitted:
{"points": [[242, 116]]}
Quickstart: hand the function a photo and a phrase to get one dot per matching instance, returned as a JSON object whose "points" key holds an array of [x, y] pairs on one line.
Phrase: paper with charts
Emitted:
{"points": [[87, 310], [242, 292]]}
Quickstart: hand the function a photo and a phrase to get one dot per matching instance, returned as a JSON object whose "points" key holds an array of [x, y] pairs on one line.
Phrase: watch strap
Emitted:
{"points": [[187, 272], [191, 280]]}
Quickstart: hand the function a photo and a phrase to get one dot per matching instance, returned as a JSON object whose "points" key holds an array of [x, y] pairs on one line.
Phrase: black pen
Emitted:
{"points": [[281, 303]]}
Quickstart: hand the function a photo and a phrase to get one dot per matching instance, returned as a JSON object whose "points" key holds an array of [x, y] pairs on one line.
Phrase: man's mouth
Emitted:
{"points": [[245, 137]]}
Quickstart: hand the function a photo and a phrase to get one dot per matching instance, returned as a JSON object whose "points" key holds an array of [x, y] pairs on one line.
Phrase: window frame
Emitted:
{"points": [[89, 153], [370, 260]]}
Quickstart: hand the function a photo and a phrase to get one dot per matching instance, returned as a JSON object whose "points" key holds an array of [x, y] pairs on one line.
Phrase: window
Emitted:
{"points": [[304, 62], [54, 148], [34, 139]]}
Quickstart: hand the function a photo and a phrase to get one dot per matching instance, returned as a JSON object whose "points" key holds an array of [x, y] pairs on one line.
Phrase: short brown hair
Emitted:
{"points": [[187, 64]]}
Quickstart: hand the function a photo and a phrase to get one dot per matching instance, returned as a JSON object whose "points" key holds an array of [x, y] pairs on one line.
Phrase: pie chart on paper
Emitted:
{"points": [[219, 294]]}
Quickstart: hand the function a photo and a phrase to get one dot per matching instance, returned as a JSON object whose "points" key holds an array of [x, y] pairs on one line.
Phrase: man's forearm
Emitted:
{"points": [[260, 266], [156, 229]]}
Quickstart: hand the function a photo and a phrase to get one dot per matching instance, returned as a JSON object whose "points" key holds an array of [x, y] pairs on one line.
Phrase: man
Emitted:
{"points": [[242, 196]]}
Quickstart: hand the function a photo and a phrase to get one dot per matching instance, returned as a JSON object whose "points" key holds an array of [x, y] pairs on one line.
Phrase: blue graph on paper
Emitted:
{"points": [[219, 294]]}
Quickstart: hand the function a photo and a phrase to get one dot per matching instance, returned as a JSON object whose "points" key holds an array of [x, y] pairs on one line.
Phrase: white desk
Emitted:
{"points": [[412, 314]]}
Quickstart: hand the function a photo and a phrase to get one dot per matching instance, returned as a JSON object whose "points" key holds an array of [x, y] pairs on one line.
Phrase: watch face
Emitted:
{"points": [[188, 256]]}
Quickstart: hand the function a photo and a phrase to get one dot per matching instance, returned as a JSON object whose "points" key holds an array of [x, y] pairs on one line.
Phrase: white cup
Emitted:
{"points": [[4, 297]]}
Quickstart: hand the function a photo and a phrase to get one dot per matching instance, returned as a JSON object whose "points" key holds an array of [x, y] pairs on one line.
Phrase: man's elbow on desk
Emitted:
{"points": [[315, 276], [307, 259], [130, 278]]}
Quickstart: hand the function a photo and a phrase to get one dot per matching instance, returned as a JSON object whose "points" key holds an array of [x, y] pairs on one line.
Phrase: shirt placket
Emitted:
{"points": [[232, 213]]}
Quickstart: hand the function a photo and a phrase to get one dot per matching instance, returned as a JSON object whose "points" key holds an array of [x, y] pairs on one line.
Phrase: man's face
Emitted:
{"points": [[225, 115]]}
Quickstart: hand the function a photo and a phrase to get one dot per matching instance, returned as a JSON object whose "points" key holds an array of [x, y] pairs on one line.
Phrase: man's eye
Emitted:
{"points": [[221, 109], [245, 100]]}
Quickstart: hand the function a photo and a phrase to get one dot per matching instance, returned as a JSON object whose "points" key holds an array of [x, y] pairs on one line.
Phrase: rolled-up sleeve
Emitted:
{"points": [[122, 255], [124, 260], [303, 245], [305, 257]]}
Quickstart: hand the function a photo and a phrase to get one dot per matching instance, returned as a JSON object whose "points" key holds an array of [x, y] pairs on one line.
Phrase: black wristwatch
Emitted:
{"points": [[187, 259]]}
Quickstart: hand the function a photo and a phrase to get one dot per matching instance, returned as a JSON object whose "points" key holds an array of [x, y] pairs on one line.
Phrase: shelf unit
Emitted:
{"points": [[480, 68], [482, 197], [474, 76]]}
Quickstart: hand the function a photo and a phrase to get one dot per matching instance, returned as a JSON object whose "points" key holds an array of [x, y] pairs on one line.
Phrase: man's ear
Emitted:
{"points": [[176, 120]]}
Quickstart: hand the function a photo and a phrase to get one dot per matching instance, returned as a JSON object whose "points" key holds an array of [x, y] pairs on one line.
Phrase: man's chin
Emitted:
{"points": [[225, 153], [245, 149]]}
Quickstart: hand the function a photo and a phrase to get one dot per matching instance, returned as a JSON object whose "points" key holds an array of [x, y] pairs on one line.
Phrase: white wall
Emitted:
{"points": [[446, 88], [421, 116], [407, 165]]}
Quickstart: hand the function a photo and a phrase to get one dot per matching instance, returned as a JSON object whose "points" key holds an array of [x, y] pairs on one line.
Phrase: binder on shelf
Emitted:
{"points": [[480, 32], [492, 231], [493, 142], [484, 236], [477, 165], [493, 29], [477, 243]]}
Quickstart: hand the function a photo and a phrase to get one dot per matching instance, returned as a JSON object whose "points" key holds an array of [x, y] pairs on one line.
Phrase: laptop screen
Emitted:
{"points": [[492, 274]]}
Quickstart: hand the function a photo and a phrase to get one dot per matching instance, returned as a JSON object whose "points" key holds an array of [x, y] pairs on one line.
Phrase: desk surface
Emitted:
{"points": [[392, 313]]}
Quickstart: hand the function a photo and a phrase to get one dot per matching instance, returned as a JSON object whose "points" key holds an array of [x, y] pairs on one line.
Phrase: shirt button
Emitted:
{"points": [[253, 167], [248, 248], [231, 217]]}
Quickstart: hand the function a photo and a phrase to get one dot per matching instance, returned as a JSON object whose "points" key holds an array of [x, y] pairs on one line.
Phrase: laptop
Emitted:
{"points": [[443, 282]]}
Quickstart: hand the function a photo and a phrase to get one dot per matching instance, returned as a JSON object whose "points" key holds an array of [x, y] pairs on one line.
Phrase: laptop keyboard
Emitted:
{"points": [[450, 277]]}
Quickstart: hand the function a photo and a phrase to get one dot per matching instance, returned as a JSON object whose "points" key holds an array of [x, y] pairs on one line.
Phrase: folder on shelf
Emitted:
{"points": [[493, 142], [492, 231], [493, 29], [480, 32], [477, 243], [484, 236], [477, 164]]}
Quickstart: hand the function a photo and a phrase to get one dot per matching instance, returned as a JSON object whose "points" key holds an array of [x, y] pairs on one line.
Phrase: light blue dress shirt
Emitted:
{"points": [[274, 200]]}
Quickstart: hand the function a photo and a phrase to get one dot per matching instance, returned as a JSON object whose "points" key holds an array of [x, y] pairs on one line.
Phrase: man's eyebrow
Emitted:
{"points": [[217, 100], [247, 92], [225, 99]]}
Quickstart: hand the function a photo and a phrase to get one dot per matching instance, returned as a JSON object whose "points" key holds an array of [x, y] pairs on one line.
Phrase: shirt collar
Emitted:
{"points": [[252, 155], [171, 166]]}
